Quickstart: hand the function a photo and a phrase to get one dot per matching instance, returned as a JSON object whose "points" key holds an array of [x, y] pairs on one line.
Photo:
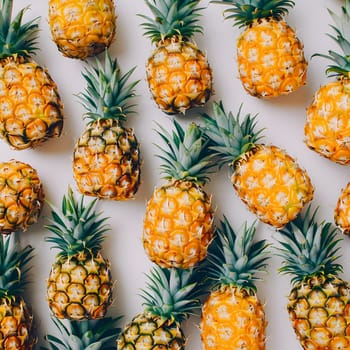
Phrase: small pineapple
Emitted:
{"points": [[270, 57], [265, 177], [21, 196], [178, 73], [171, 297], [327, 126], [83, 335], [16, 317], [106, 159], [31, 110], [342, 210], [178, 223], [319, 301], [233, 317], [79, 284], [81, 28]]}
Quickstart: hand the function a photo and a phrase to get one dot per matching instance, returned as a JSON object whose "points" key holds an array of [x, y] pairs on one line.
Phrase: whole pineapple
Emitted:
{"points": [[319, 301], [31, 110], [82, 335], [327, 126], [81, 28], [233, 316], [178, 223], [16, 317], [106, 159], [21, 196], [270, 57], [178, 73], [79, 284], [172, 295], [265, 177]]}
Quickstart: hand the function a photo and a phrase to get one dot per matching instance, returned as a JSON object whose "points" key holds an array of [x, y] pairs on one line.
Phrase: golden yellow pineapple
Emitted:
{"points": [[79, 284], [17, 330], [270, 57], [233, 317], [327, 126], [21, 196], [82, 28], [31, 110], [178, 223], [178, 73], [106, 159], [268, 180], [342, 210], [319, 302]]}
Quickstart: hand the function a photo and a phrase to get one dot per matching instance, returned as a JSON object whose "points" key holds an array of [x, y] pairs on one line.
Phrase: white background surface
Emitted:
{"points": [[283, 119]]}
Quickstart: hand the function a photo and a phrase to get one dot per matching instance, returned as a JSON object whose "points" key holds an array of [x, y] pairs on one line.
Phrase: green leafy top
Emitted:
{"points": [[235, 259], [309, 248], [172, 293], [341, 66], [245, 12], [187, 156], [108, 92], [16, 38], [172, 18], [84, 335], [77, 227], [14, 266], [230, 138]]}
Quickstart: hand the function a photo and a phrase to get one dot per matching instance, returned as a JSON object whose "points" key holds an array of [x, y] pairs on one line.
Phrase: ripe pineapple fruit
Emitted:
{"points": [[342, 210], [178, 73], [171, 297], [233, 317], [270, 57], [81, 28], [327, 126], [31, 110], [16, 318], [178, 223], [21, 196], [265, 177], [86, 334], [79, 284], [319, 301], [106, 159]]}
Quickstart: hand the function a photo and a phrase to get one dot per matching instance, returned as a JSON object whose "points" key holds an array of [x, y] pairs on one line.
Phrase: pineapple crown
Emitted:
{"points": [[245, 12], [172, 18], [230, 138], [172, 293], [87, 334], [188, 157], [14, 266], [308, 248], [16, 38], [76, 226], [341, 66], [235, 259], [108, 92]]}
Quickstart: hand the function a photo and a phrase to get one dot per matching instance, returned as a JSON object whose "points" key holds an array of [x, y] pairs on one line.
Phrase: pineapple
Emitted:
{"points": [[21, 196], [81, 335], [178, 73], [342, 210], [327, 126], [270, 57], [319, 301], [233, 317], [178, 223], [171, 297], [265, 177], [79, 284], [106, 159], [16, 317], [31, 110], [81, 28]]}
